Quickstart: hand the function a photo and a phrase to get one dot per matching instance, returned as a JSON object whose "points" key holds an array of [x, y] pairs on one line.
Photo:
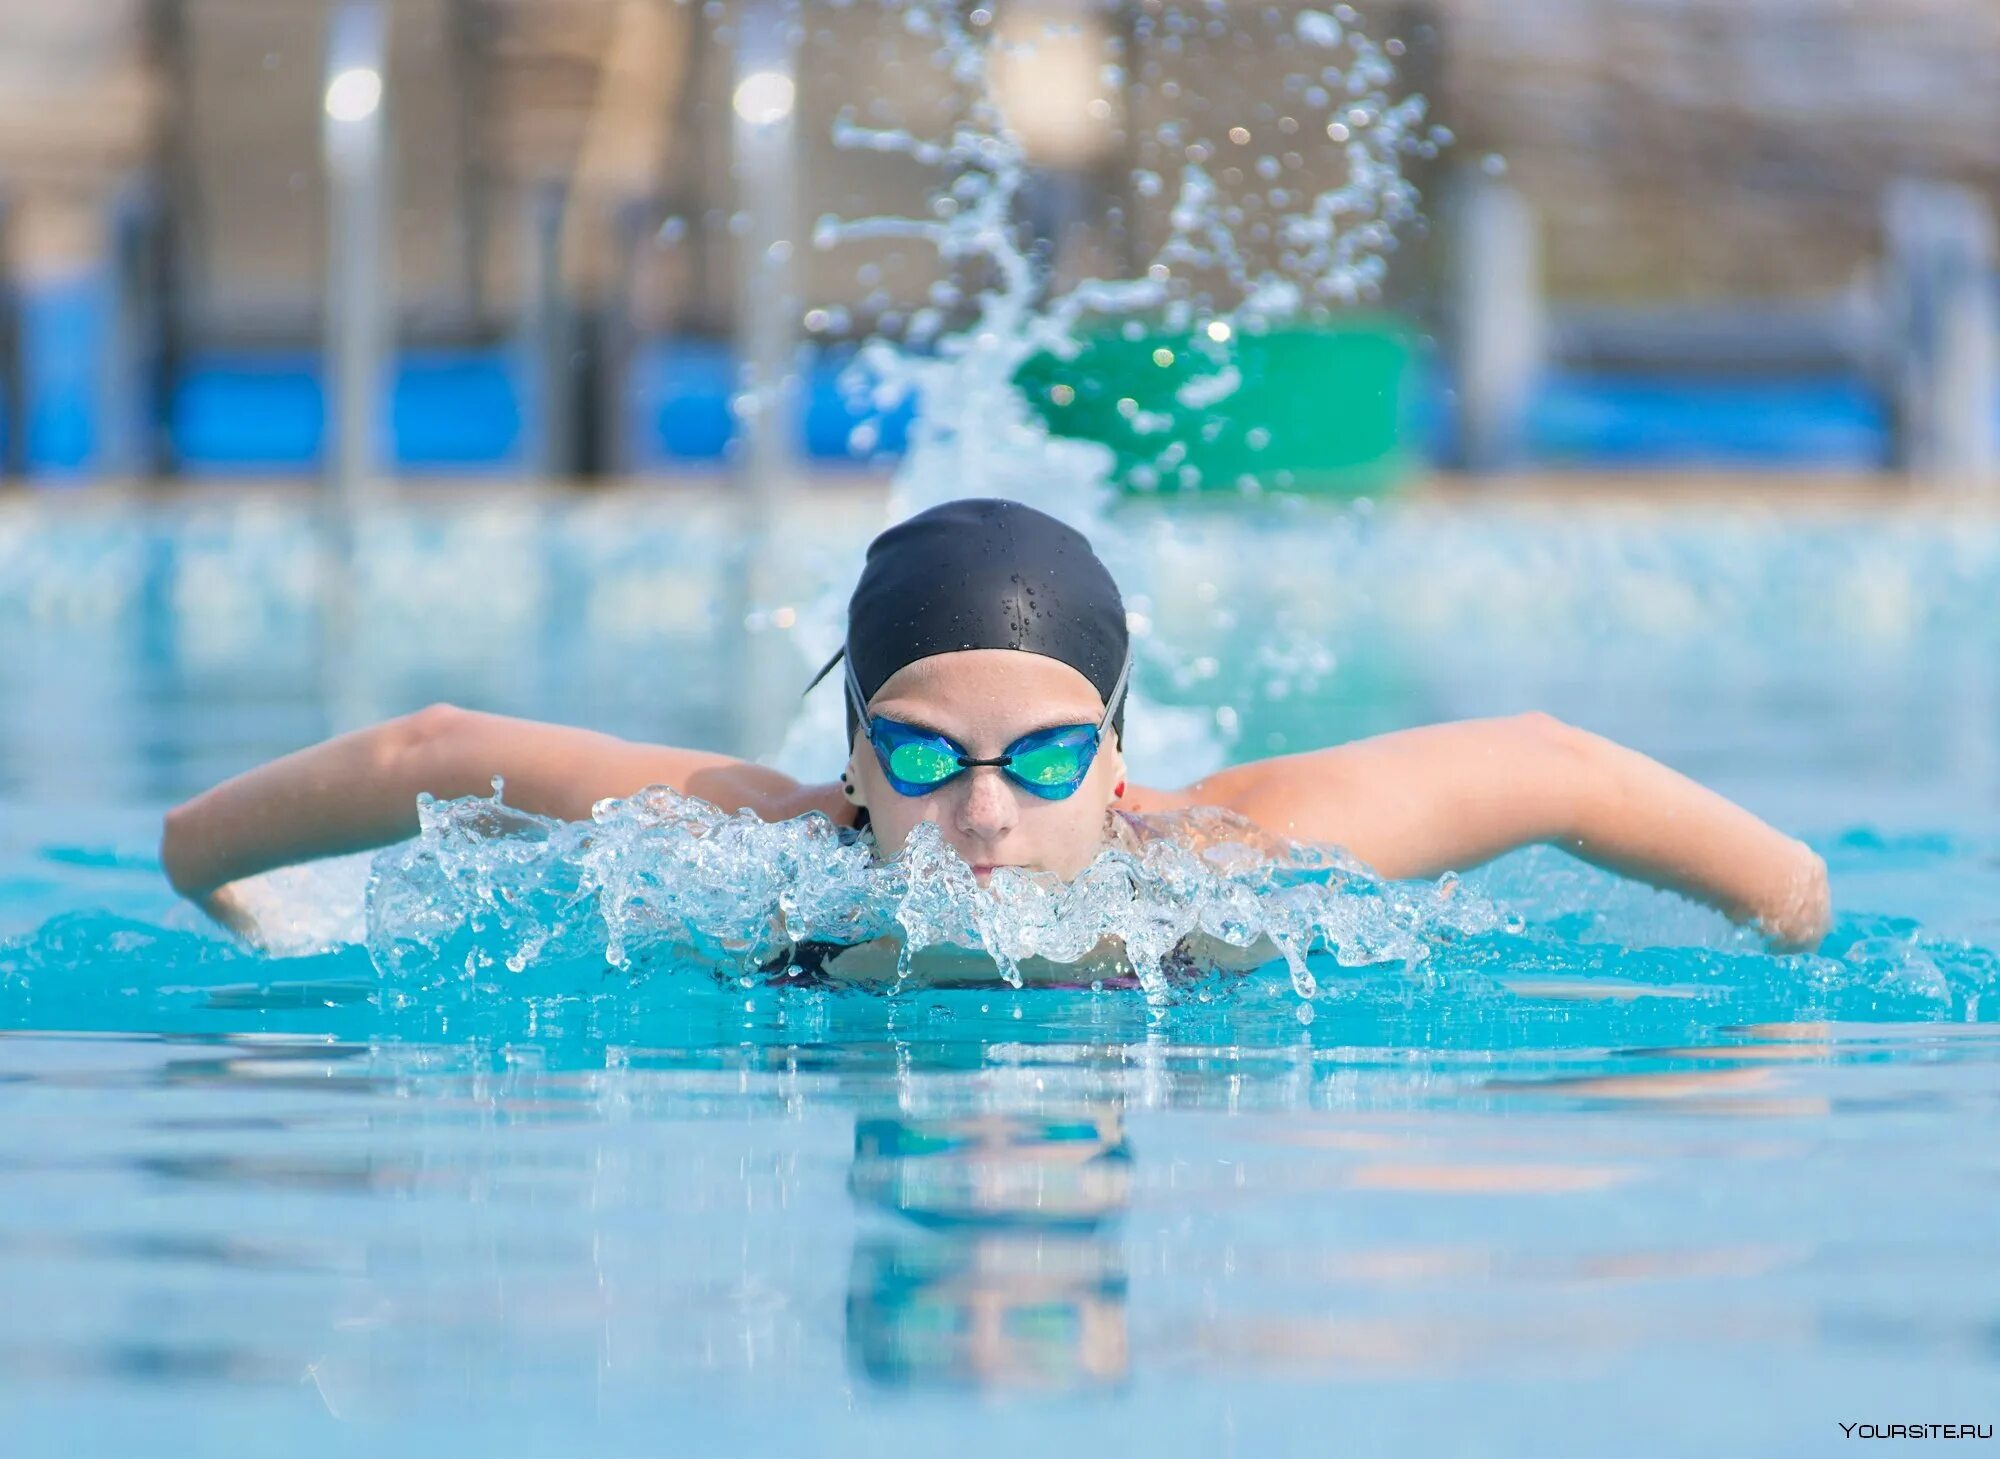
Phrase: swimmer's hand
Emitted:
{"points": [[1801, 920], [225, 905]]}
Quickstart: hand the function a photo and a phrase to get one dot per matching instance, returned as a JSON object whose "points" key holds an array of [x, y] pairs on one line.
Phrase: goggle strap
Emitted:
{"points": [[825, 669], [854, 695], [1117, 689], [853, 684]]}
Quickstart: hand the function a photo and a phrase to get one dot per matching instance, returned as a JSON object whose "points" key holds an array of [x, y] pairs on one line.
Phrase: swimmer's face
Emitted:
{"points": [[986, 698]]}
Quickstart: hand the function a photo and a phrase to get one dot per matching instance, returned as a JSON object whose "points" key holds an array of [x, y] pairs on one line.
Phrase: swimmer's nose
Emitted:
{"points": [[987, 811]]}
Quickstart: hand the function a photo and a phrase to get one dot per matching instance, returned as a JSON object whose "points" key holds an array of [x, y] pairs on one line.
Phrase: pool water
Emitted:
{"points": [[1602, 1177]]}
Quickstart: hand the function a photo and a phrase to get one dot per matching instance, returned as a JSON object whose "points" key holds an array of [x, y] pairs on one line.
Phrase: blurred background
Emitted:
{"points": [[360, 355], [501, 239]]}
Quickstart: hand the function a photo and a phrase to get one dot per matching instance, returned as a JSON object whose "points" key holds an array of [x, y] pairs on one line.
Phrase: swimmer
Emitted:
{"points": [[985, 671]]}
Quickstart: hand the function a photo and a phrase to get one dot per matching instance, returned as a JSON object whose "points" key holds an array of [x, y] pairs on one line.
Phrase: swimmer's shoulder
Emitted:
{"points": [[1203, 825], [1147, 800], [1211, 809], [769, 795]]}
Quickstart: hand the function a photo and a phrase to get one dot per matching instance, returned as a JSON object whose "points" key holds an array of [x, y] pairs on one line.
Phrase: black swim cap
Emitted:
{"points": [[985, 573]]}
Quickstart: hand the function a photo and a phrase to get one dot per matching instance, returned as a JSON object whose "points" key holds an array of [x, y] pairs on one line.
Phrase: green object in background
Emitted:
{"points": [[1318, 410]]}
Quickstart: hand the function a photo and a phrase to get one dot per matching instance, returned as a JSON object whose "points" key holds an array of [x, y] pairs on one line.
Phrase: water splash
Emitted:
{"points": [[662, 878], [1243, 252], [1315, 249]]}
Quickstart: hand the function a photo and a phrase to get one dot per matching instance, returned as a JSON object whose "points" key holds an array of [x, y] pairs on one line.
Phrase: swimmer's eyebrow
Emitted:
{"points": [[915, 720]]}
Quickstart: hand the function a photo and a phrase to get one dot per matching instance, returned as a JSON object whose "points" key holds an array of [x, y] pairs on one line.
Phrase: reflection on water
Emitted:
{"points": [[1045, 1171], [993, 1311], [695, 1233], [1013, 1284]]}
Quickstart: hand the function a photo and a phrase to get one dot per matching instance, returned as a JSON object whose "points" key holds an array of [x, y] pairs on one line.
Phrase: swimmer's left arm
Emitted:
{"points": [[1448, 797]]}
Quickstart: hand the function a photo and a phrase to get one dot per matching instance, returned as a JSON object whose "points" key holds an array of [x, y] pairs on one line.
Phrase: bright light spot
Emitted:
{"points": [[817, 319], [354, 94], [1061, 394], [784, 617], [764, 98], [1317, 28], [1219, 331], [1337, 130], [1163, 357], [1240, 136]]}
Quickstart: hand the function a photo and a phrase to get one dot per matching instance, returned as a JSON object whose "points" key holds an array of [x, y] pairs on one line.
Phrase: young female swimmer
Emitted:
{"points": [[985, 669]]}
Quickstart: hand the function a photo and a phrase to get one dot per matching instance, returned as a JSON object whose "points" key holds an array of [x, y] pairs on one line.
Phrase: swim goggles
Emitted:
{"points": [[1049, 763]]}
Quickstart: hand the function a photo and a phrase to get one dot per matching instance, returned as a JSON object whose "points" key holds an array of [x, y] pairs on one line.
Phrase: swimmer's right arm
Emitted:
{"points": [[359, 791]]}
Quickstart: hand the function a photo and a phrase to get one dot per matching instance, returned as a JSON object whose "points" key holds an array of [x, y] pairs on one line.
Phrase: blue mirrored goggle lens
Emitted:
{"points": [[1049, 763], [1055, 766], [915, 761], [922, 762]]}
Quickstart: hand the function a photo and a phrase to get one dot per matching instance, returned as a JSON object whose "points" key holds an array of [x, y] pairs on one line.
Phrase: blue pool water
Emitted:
{"points": [[1601, 1177]]}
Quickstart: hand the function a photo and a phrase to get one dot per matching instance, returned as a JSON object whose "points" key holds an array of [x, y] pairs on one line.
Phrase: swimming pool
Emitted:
{"points": [[1602, 1175]]}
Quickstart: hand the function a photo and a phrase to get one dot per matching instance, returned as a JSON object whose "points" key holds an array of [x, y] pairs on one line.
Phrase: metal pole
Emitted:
{"points": [[354, 146], [13, 419], [169, 279], [765, 136], [1497, 317], [547, 340], [1947, 370], [127, 411], [767, 320], [352, 139], [617, 338]]}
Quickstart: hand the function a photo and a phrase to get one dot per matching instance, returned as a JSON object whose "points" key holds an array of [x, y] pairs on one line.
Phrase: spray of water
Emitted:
{"points": [[977, 435], [661, 877]]}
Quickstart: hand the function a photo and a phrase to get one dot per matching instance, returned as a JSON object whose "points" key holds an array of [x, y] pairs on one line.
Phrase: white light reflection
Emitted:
{"points": [[354, 94], [764, 98]]}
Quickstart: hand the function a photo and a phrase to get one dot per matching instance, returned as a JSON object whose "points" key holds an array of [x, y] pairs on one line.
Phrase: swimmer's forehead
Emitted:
{"points": [[1004, 689]]}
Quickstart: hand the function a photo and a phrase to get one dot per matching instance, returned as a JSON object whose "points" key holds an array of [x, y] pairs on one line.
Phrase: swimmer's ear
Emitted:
{"points": [[850, 783]]}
